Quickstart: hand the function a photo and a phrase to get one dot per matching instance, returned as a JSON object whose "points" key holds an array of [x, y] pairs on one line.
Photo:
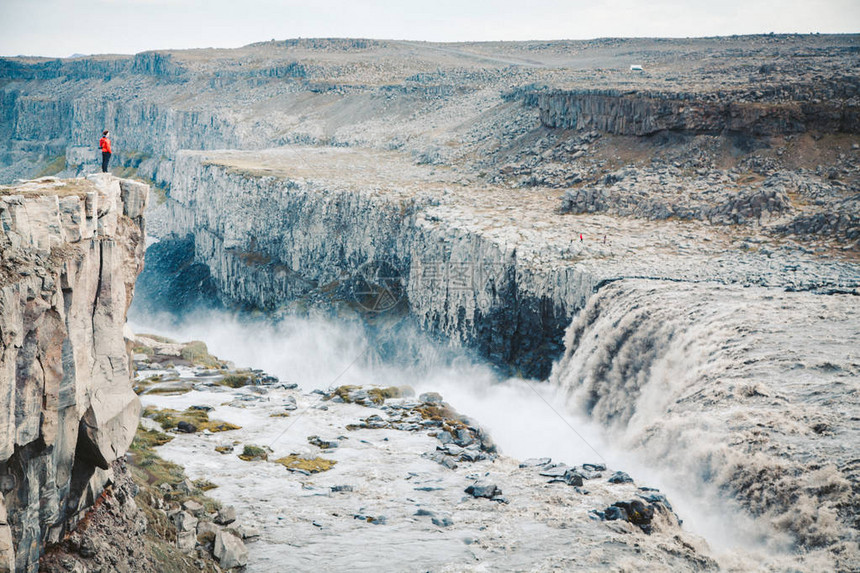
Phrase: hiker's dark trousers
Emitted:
{"points": [[105, 161]]}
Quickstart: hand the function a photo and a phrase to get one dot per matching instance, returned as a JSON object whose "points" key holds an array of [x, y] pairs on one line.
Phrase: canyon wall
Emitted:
{"points": [[65, 127], [631, 113], [693, 360], [268, 241], [71, 251], [289, 227]]}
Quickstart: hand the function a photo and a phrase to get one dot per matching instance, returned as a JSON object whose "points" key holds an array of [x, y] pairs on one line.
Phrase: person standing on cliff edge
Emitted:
{"points": [[104, 145]]}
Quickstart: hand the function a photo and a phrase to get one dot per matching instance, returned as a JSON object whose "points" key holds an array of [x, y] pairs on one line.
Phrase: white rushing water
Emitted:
{"points": [[305, 527], [525, 418], [743, 398]]}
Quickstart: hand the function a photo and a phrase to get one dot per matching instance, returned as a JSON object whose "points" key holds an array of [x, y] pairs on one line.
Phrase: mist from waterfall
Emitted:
{"points": [[525, 418]]}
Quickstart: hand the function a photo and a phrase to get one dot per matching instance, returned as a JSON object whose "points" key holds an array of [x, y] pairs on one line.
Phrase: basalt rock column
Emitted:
{"points": [[70, 252]]}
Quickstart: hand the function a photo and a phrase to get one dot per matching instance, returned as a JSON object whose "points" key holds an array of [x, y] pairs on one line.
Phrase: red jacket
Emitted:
{"points": [[104, 144]]}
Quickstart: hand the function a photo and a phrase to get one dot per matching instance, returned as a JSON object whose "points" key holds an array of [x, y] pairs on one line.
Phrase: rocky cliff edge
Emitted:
{"points": [[70, 251]]}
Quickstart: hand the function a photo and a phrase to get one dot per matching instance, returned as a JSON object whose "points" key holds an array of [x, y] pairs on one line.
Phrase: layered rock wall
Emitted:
{"points": [[269, 240], [473, 265], [644, 114], [146, 133], [71, 252]]}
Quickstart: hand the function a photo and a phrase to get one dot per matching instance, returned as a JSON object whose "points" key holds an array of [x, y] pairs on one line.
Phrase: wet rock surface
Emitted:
{"points": [[397, 476]]}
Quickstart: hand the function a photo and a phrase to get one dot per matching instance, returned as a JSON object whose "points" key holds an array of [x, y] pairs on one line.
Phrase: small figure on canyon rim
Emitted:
{"points": [[104, 145], [604, 239], [580, 237]]}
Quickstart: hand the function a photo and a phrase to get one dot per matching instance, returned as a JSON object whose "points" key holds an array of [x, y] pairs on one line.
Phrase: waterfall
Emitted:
{"points": [[722, 387]]}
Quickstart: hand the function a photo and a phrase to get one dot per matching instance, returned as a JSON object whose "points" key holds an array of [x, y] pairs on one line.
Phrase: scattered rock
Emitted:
{"points": [[207, 527], [184, 521], [87, 548], [572, 477], [620, 477], [226, 515], [252, 453], [484, 489], [442, 521], [248, 532], [594, 467], [445, 437], [378, 520], [441, 458], [230, 550], [186, 427], [193, 507], [431, 398], [186, 531], [635, 512], [185, 486], [323, 444], [613, 512], [535, 462], [556, 471]]}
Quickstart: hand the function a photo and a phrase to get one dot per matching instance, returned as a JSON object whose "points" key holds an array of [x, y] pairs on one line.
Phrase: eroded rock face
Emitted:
{"points": [[614, 111], [268, 240], [70, 252]]}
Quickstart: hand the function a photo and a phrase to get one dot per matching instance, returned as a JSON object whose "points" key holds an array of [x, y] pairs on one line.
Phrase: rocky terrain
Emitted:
{"points": [[353, 476], [70, 252], [673, 250]]}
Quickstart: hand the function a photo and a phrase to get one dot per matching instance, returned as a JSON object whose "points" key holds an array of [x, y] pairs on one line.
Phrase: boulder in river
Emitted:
{"points": [[230, 550], [485, 489]]}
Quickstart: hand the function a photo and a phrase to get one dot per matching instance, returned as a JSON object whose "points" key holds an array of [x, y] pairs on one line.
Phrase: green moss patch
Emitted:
{"points": [[204, 484], [53, 167], [377, 395], [311, 465], [146, 439], [150, 472], [174, 389], [449, 418], [343, 392], [158, 338], [251, 453], [197, 353], [170, 419], [140, 349], [380, 395], [236, 380]]}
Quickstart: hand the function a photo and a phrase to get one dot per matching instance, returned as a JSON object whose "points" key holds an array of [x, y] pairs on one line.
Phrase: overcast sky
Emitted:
{"points": [[65, 27]]}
